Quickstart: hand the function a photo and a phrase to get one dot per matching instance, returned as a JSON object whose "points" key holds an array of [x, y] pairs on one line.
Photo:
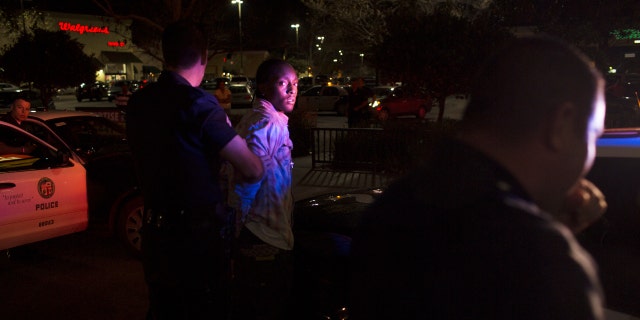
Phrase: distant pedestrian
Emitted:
{"points": [[179, 137], [358, 113], [223, 94], [122, 98], [263, 260], [484, 229]]}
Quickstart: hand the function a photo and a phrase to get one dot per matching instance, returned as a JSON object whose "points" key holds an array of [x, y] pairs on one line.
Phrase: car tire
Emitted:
{"points": [[129, 224]]}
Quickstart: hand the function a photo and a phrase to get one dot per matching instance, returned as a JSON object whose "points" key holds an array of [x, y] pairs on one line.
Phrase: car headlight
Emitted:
{"points": [[374, 104]]}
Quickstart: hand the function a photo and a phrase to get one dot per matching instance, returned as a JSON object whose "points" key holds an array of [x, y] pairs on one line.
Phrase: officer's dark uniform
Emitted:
{"points": [[176, 132], [461, 239]]}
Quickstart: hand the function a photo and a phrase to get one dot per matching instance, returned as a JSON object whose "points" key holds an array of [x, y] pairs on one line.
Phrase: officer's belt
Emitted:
{"points": [[182, 218]]}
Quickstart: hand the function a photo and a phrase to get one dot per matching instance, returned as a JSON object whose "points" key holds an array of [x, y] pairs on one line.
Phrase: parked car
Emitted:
{"points": [[400, 101], [66, 91], [100, 146], [44, 192], [324, 98], [304, 84], [7, 96], [621, 111], [323, 229], [5, 85], [613, 240], [241, 95], [91, 91], [239, 79], [116, 88]]}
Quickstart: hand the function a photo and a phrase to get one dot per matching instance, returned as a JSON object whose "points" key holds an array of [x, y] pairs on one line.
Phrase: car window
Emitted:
{"points": [[44, 192], [315, 91], [238, 89], [88, 136], [398, 93], [239, 79], [330, 91], [381, 92], [20, 152]]}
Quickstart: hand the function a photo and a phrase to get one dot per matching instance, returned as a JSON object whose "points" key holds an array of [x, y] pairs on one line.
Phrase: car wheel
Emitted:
{"points": [[129, 224], [383, 115]]}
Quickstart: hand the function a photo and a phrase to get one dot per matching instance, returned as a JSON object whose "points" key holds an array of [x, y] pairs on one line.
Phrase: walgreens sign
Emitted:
{"points": [[80, 28]]}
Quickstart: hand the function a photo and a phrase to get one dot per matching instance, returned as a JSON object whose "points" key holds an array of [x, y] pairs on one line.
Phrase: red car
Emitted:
{"points": [[391, 102]]}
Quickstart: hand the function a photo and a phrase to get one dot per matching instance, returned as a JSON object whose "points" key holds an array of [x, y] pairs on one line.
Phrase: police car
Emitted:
{"points": [[43, 190], [100, 146]]}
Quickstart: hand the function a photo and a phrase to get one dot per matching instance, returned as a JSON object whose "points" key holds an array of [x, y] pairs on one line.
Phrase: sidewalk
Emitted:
{"points": [[308, 182]]}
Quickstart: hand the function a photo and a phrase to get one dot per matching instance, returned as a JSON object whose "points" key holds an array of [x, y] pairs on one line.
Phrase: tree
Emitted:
{"points": [[48, 60], [430, 45], [438, 52], [591, 25], [14, 22], [149, 17], [219, 18]]}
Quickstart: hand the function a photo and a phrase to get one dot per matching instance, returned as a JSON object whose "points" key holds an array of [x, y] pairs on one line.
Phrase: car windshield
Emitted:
{"points": [[238, 89], [90, 136], [315, 91], [382, 92]]}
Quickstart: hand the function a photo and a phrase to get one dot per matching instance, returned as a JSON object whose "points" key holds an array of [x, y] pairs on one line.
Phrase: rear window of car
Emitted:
{"points": [[234, 89]]}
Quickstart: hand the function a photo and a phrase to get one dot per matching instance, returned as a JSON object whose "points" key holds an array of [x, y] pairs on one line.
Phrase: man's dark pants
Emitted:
{"points": [[186, 265]]}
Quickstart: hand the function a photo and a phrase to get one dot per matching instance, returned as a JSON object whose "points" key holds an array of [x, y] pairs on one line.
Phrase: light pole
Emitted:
{"points": [[296, 26], [239, 3]]}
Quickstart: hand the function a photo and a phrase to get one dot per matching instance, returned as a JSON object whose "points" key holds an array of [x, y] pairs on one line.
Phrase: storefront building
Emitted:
{"points": [[107, 41]]}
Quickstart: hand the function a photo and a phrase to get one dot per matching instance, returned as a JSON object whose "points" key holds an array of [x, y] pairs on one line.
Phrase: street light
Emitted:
{"points": [[296, 26], [239, 3]]}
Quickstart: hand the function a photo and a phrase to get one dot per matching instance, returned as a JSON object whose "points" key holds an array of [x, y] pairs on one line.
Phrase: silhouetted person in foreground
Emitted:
{"points": [[484, 229]]}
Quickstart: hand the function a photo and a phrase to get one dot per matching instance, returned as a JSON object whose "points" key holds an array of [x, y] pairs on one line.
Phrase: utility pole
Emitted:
{"points": [[239, 3]]}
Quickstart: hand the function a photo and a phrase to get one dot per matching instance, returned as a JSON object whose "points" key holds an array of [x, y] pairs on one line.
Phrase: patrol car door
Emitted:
{"points": [[42, 191]]}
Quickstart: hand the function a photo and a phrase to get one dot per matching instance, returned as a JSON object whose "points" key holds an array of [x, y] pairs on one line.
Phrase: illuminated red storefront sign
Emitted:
{"points": [[116, 43], [79, 28]]}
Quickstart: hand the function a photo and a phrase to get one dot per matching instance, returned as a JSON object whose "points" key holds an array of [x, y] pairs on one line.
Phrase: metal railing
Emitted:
{"points": [[348, 149]]}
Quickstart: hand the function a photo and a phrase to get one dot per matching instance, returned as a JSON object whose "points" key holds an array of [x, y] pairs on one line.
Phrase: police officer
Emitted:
{"points": [[179, 135]]}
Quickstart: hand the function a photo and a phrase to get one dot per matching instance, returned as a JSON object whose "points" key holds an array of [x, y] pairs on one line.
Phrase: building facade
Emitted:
{"points": [[109, 42]]}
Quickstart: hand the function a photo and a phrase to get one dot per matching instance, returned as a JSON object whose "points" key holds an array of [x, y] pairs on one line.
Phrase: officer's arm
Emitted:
{"points": [[242, 159]]}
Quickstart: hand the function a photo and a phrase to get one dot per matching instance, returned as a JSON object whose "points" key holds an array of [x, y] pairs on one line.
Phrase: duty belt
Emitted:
{"points": [[180, 218]]}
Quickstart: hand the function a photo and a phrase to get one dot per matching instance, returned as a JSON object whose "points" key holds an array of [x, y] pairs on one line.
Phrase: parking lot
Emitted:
{"points": [[88, 275]]}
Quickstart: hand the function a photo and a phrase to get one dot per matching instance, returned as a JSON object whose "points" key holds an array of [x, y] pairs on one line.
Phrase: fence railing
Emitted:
{"points": [[382, 153], [345, 158], [349, 149]]}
